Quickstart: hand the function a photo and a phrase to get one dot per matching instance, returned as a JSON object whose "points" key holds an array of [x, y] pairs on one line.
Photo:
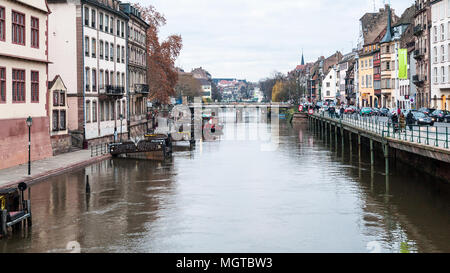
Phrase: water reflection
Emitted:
{"points": [[229, 195]]}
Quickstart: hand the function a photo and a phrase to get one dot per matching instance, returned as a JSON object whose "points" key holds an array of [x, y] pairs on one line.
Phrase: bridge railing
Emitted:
{"points": [[437, 136]]}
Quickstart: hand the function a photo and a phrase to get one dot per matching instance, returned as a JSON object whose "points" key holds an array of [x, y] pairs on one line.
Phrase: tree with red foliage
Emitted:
{"points": [[161, 74]]}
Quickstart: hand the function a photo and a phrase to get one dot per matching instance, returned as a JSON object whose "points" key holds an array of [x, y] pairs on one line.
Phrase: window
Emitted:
{"points": [[18, 28], [101, 49], [86, 16], [93, 19], [106, 77], [111, 26], [100, 21], [111, 53], [118, 28], [94, 48], [388, 64], [435, 76], [106, 51], [118, 79], [62, 120], [123, 79], [94, 111], [86, 46], [55, 120], [18, 85], [443, 74], [34, 32], [106, 110], [100, 79], [435, 54], [123, 30], [2, 84], [34, 86], [2, 24], [55, 98], [62, 99], [435, 34], [88, 80], [106, 23], [442, 32], [442, 53], [118, 54], [123, 54], [88, 111], [94, 80], [102, 111], [111, 77]]}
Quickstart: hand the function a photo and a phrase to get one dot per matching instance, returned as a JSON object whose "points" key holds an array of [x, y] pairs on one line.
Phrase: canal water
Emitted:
{"points": [[233, 195]]}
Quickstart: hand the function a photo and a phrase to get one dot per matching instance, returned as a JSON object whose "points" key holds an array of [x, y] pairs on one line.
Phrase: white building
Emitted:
{"points": [[87, 47], [330, 85], [440, 51]]}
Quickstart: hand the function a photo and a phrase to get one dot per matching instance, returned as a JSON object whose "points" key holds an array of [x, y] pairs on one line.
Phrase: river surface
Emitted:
{"points": [[234, 195]]}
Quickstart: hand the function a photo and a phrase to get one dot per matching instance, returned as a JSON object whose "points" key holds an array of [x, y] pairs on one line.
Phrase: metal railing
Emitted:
{"points": [[437, 136], [99, 149]]}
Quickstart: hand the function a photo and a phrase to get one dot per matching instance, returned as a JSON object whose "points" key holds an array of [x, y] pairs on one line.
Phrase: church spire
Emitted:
{"points": [[303, 59]]}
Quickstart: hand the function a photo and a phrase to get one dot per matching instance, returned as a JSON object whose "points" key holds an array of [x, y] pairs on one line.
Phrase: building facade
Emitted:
{"points": [[137, 88], [330, 85], [440, 55], [422, 79], [366, 72], [23, 81], [94, 40]]}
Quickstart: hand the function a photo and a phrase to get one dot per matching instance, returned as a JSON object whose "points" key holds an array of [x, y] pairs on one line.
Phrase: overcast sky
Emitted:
{"points": [[250, 39]]}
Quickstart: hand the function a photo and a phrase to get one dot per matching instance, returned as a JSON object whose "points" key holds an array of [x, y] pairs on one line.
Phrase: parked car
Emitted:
{"points": [[419, 118], [426, 111], [384, 112], [440, 115], [366, 111], [376, 112], [350, 110]]}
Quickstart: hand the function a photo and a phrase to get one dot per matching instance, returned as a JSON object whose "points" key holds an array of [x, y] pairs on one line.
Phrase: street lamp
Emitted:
{"points": [[29, 123], [121, 119]]}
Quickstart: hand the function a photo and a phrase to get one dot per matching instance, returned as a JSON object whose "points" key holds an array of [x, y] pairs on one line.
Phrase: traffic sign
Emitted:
{"points": [[300, 108], [310, 111]]}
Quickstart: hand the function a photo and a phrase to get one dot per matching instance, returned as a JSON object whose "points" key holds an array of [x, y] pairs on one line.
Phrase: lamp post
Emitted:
{"points": [[29, 123], [121, 119]]}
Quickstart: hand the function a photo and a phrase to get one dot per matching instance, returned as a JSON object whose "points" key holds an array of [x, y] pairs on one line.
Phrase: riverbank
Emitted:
{"points": [[45, 168]]}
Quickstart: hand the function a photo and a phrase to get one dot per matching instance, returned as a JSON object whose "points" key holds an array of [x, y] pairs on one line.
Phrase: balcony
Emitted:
{"points": [[141, 89], [418, 30], [111, 91], [418, 80], [419, 54]]}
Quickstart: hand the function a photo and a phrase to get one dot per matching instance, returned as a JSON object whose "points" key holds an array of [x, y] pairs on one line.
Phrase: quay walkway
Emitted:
{"points": [[45, 168]]}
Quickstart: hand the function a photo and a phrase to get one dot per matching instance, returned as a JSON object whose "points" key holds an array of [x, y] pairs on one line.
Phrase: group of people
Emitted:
{"points": [[400, 121]]}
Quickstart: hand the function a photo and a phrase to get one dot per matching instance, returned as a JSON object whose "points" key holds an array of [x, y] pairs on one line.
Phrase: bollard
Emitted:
{"points": [[88, 187], [3, 219]]}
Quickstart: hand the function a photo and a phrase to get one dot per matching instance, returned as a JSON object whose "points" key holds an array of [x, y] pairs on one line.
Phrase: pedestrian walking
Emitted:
{"points": [[410, 120], [341, 111], [402, 122]]}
